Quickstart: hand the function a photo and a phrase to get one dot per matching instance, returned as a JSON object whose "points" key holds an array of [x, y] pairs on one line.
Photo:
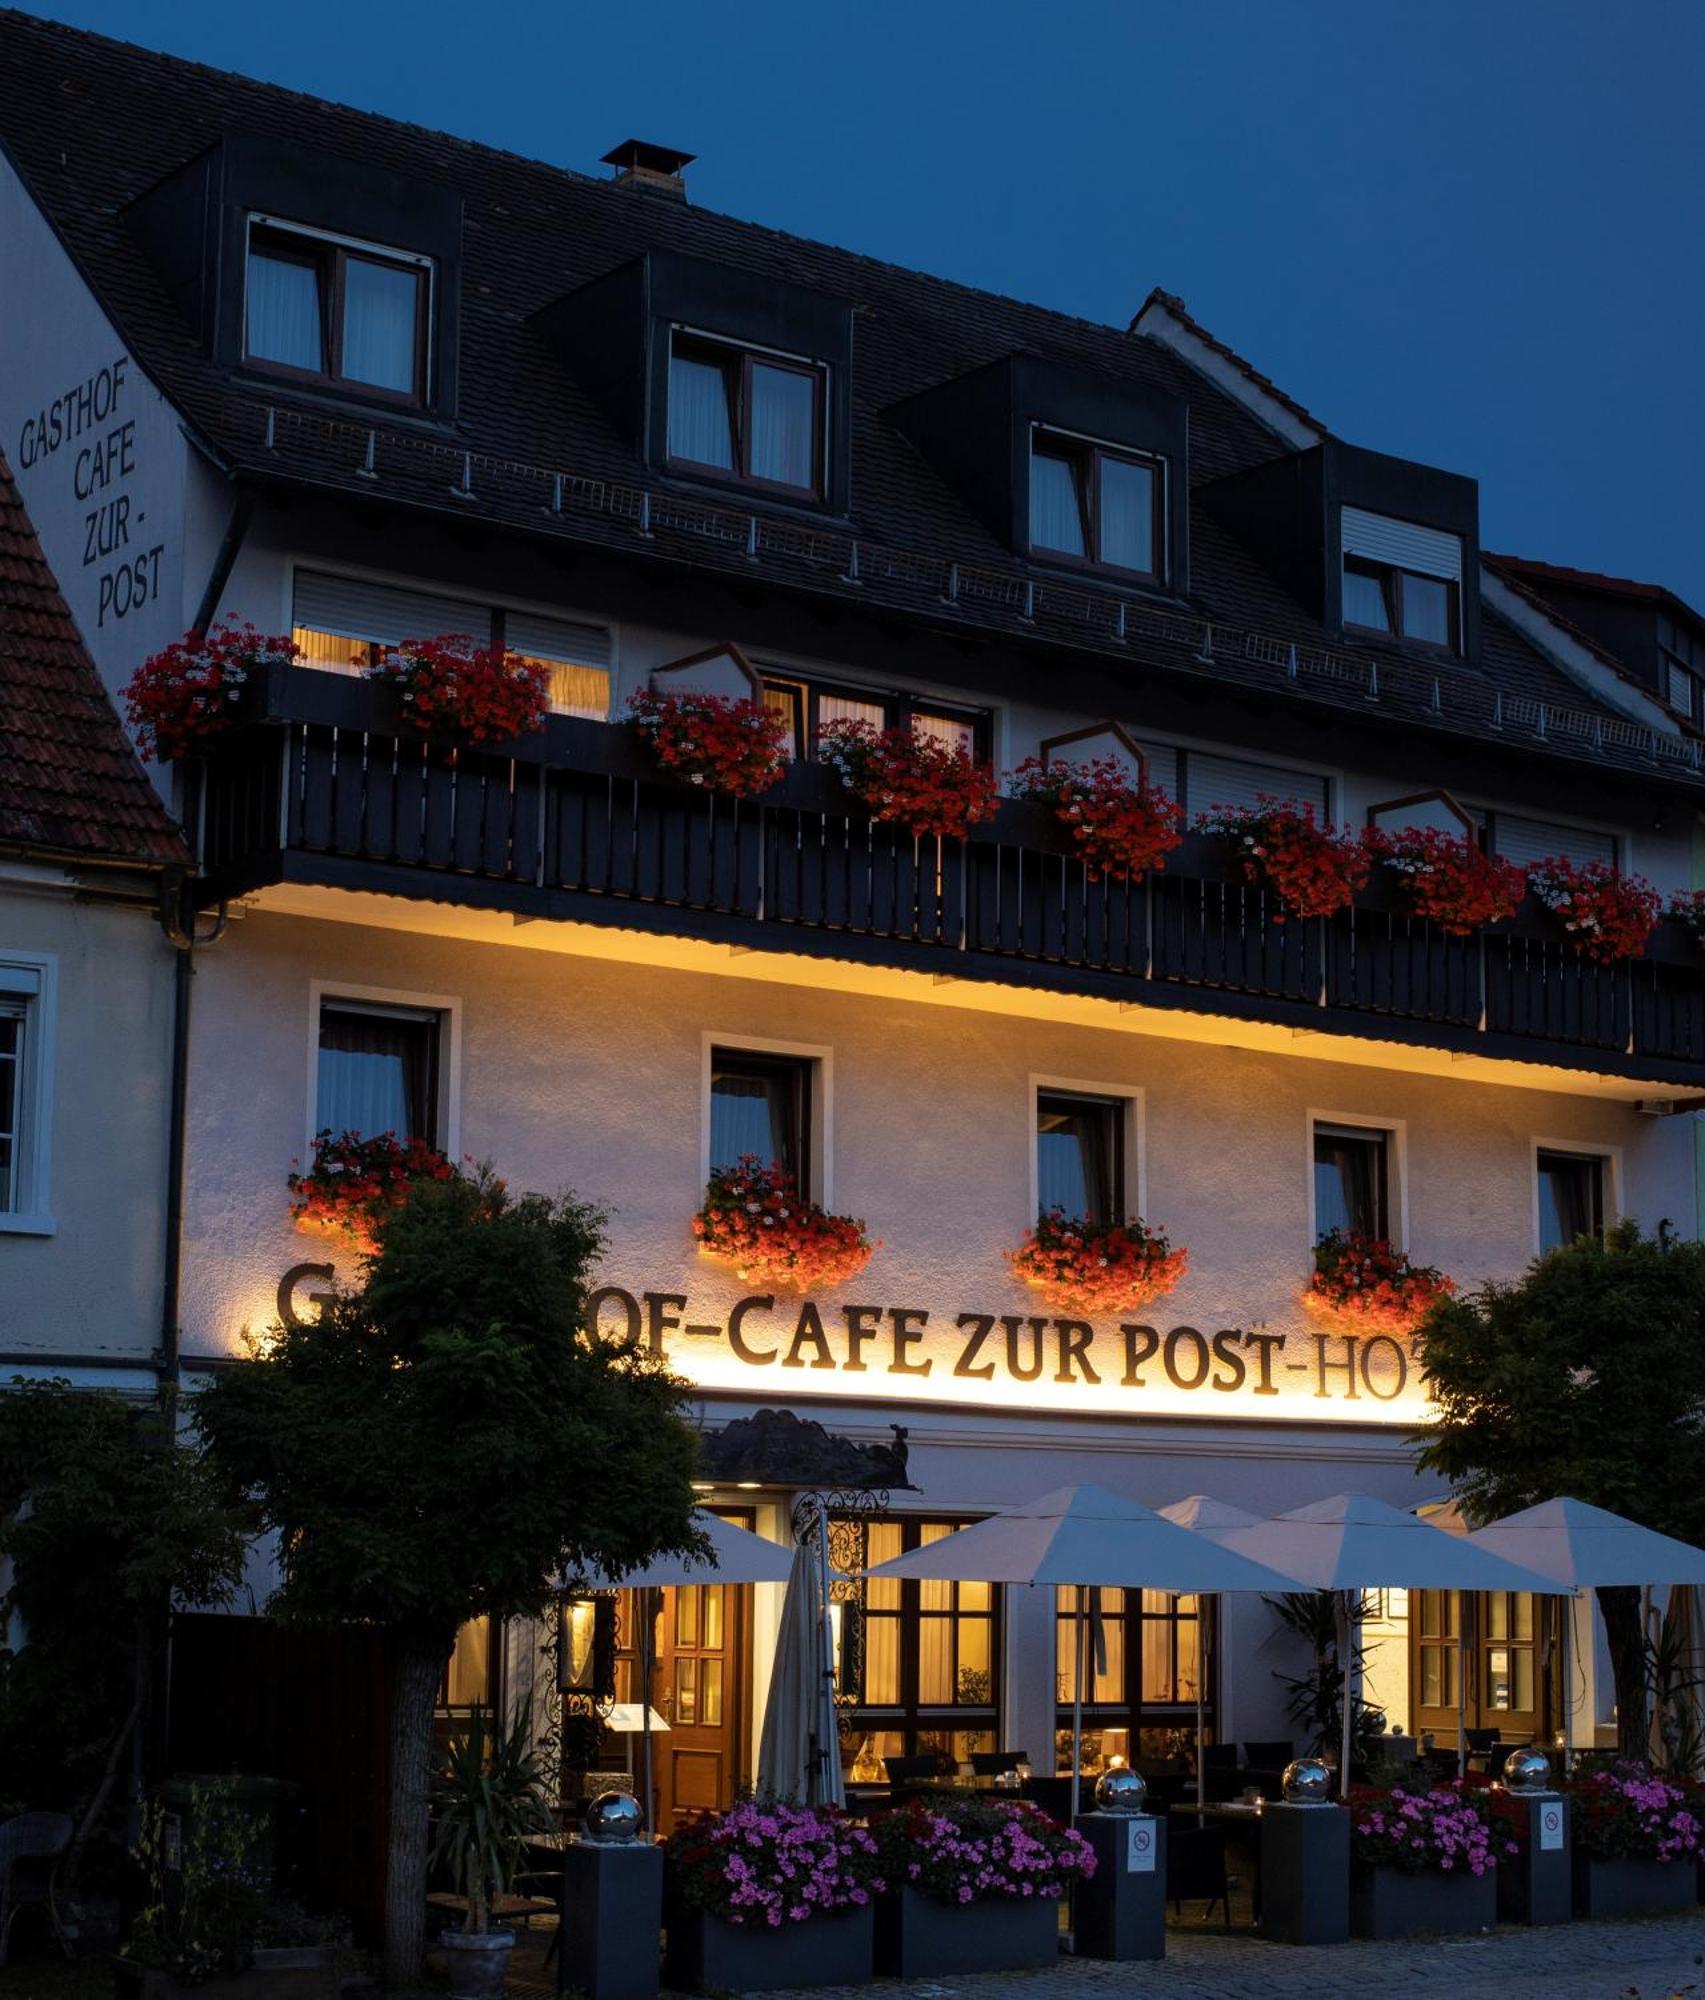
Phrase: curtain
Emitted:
{"points": [[1071, 1161], [1426, 610], [700, 427], [11, 1101], [952, 732], [784, 414], [330, 652], [749, 1114], [1348, 1195], [1565, 1202], [842, 708], [374, 1075], [1364, 601], [284, 313], [380, 307], [1127, 515], [575, 690], [1056, 515]]}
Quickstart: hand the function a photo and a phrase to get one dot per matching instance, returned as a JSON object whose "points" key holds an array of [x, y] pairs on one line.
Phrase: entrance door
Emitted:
{"points": [[1506, 1686], [701, 1694]]}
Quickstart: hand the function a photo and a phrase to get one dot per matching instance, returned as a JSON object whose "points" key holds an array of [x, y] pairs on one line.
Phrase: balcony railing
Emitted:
{"points": [[575, 824]]}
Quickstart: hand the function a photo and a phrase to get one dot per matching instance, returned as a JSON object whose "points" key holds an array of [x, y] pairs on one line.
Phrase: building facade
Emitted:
{"points": [[360, 383]]}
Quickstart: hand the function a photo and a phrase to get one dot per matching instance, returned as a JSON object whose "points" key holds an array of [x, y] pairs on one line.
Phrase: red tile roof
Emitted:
{"points": [[70, 782]]}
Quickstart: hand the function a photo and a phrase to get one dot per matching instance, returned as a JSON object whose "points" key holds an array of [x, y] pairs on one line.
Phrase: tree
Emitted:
{"points": [[443, 1442], [105, 1521], [1582, 1379]]}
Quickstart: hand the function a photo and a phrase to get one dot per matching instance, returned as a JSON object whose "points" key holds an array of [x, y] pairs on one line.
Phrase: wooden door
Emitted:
{"points": [[1506, 1683], [701, 1693]]}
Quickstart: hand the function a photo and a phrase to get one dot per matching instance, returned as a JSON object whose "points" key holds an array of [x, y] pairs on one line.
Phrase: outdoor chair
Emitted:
{"points": [[1195, 1868], [1219, 1772], [30, 1850], [1264, 1766]]}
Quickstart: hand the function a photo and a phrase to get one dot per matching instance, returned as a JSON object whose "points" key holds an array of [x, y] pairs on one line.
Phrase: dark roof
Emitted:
{"points": [[1247, 369], [1594, 582], [533, 233], [69, 780]]}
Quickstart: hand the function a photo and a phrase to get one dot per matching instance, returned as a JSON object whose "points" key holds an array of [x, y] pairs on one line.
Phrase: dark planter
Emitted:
{"points": [[919, 1938], [1630, 1887], [706, 1955], [291, 1972], [1393, 1903]]}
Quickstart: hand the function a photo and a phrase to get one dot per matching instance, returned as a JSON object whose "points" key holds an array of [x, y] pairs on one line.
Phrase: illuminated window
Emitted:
{"points": [[1571, 1198], [1351, 1176], [807, 706], [377, 1070], [328, 309], [1143, 1661], [920, 1662]]}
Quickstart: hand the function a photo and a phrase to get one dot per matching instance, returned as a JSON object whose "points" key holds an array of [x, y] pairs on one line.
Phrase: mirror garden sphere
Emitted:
{"points": [[612, 1816], [1527, 1771], [1120, 1790], [1307, 1782]]}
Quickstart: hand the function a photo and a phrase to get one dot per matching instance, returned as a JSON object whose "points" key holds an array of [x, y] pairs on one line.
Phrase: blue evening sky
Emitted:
{"points": [[1465, 231]]}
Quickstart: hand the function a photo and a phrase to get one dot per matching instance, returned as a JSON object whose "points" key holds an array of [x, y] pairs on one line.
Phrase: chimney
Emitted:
{"points": [[650, 169]]}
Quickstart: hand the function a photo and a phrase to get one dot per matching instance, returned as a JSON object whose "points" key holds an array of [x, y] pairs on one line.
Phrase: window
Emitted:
{"points": [[761, 1104], [378, 1070], [1351, 1175], [919, 1662], [1571, 1197], [807, 706], [25, 1078], [754, 418], [1681, 668], [333, 310], [1080, 1155], [1525, 841], [1378, 598], [1143, 1668], [1092, 503]]}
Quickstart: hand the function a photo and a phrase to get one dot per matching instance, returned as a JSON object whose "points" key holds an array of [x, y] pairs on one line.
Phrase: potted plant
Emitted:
{"points": [[1449, 878], [451, 689], [1119, 828], [769, 1895], [931, 789], [1310, 869], [713, 740], [489, 1797], [1637, 1840], [1421, 1861], [1097, 1267], [353, 1181], [755, 1218], [973, 1885], [1364, 1284], [1608, 915], [185, 697]]}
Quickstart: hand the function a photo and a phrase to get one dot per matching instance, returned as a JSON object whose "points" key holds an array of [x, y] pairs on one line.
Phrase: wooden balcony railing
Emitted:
{"points": [[576, 824]]}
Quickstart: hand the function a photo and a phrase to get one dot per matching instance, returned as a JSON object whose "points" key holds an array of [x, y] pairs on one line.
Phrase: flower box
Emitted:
{"points": [[705, 1954], [1401, 1903], [919, 1938], [755, 1219], [908, 780], [1634, 1886]]}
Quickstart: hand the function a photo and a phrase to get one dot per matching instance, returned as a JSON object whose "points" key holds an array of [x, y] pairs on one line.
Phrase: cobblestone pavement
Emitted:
{"points": [[1577, 1961]]}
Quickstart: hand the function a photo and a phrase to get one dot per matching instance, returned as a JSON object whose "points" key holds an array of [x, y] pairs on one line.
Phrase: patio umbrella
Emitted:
{"points": [[798, 1754], [1352, 1542], [1581, 1547], [1084, 1538], [736, 1556], [1202, 1514]]}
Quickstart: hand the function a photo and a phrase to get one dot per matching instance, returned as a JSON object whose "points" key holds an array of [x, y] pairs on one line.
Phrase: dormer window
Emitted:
{"points": [[1402, 580], [748, 416], [1095, 503], [335, 311]]}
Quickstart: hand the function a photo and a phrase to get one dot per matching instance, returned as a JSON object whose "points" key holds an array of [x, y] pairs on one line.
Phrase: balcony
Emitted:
{"points": [[321, 786]]}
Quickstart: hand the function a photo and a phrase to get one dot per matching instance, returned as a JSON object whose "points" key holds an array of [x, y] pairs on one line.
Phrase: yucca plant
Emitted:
{"points": [[489, 1797]]}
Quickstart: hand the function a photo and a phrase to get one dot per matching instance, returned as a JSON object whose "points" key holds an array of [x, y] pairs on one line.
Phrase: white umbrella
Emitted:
{"points": [[1085, 1538], [1202, 1514], [1581, 1547], [798, 1753], [736, 1556], [1352, 1542]]}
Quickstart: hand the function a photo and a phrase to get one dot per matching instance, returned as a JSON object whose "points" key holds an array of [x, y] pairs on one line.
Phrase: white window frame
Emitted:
{"points": [[385, 252], [821, 1057], [33, 1214], [1396, 1163], [449, 1010], [1133, 1142], [1161, 579], [1610, 1163]]}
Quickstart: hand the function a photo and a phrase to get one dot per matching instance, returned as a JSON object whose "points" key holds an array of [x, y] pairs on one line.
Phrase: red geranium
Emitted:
{"points": [[1313, 870], [1607, 915], [726, 745], [1119, 828], [1364, 1282], [1097, 1267], [355, 1181], [450, 687], [1687, 906], [753, 1216], [915, 781], [180, 699], [1449, 878]]}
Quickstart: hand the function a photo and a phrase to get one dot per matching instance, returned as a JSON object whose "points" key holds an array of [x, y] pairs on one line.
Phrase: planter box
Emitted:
{"points": [[292, 1972], [1391, 1903], [919, 1938], [706, 1955], [1628, 1887]]}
